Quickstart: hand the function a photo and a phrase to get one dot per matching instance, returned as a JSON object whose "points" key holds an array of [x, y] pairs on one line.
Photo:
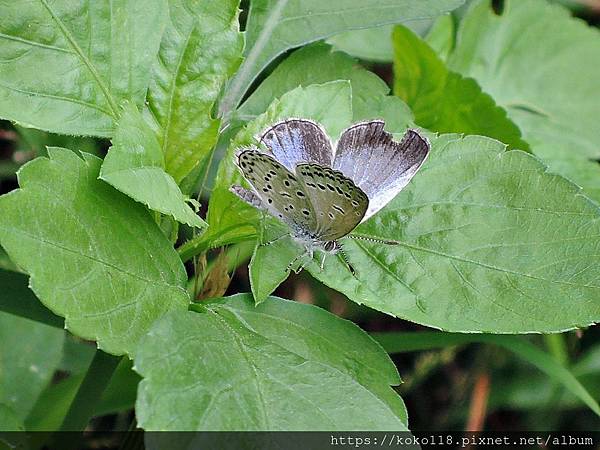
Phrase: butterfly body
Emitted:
{"points": [[323, 196]]}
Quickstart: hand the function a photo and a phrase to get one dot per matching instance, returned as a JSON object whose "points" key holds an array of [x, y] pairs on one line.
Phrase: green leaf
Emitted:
{"points": [[276, 26], [538, 63], [200, 49], [466, 260], [94, 256], [269, 266], [135, 166], [370, 44], [67, 65], [231, 219], [488, 241], [313, 64], [403, 342], [234, 366], [444, 101], [9, 421], [29, 355]]}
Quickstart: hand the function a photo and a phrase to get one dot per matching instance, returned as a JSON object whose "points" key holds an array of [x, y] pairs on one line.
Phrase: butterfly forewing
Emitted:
{"points": [[278, 189], [338, 203]]}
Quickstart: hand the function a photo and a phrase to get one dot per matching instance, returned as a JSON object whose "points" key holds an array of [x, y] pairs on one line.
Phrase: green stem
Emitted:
{"points": [[90, 391], [557, 347]]}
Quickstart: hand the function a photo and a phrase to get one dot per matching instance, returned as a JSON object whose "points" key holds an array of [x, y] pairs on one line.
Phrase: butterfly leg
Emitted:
{"points": [[310, 253], [323, 261], [272, 241], [262, 232], [294, 261]]}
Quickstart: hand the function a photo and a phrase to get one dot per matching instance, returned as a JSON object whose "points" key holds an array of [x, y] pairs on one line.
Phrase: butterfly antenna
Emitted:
{"points": [[370, 239], [345, 260]]}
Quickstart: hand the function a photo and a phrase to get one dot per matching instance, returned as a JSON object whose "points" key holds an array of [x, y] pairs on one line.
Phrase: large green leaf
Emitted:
{"points": [[280, 366], [200, 49], [67, 65], [135, 166], [488, 241], [541, 66], [29, 355], [442, 100], [276, 26], [94, 256], [466, 258]]}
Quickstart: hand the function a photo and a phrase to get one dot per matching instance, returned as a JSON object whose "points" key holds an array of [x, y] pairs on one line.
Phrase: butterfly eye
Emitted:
{"points": [[330, 246]]}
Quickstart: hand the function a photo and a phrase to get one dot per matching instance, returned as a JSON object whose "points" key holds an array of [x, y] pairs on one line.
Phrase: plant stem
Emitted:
{"points": [[557, 347]]}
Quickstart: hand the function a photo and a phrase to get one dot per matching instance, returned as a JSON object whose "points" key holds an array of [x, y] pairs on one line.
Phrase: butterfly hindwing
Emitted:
{"points": [[278, 189], [295, 141], [338, 203]]}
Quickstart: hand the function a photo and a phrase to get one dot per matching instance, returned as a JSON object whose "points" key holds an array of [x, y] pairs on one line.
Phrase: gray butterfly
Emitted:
{"points": [[320, 194]]}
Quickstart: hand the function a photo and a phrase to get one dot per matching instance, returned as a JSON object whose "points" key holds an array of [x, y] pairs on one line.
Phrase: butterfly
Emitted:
{"points": [[322, 195]]}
